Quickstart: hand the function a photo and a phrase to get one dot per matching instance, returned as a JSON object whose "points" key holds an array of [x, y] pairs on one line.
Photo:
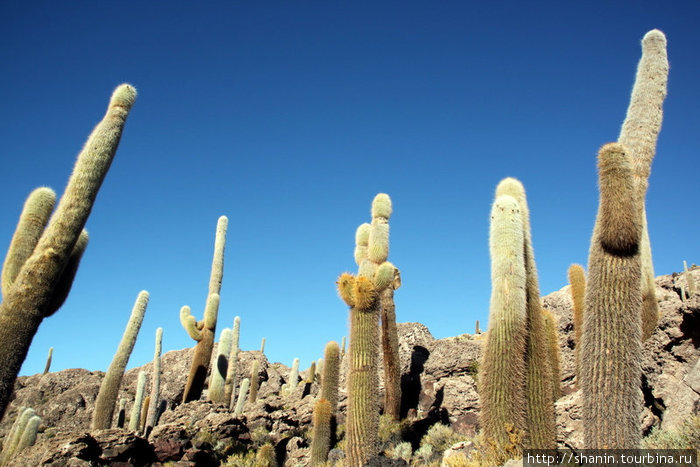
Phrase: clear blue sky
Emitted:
{"points": [[288, 117]]}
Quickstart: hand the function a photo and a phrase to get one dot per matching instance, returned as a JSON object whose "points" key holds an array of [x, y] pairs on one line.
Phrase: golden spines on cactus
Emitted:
{"points": [[346, 285], [364, 293], [551, 327], [381, 206], [502, 369], [611, 342], [331, 374]]}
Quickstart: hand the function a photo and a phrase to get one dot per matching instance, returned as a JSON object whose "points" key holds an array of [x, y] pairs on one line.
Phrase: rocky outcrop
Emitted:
{"points": [[439, 379]]}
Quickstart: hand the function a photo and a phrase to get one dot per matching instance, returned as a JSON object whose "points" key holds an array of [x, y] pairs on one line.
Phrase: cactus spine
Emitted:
{"points": [[639, 134], [218, 373], [152, 416], [361, 293], [242, 394], [577, 279], [502, 369], [541, 429], [321, 438], [611, 342], [134, 421], [109, 389], [203, 331], [48, 361], [551, 326], [31, 297], [230, 382]]}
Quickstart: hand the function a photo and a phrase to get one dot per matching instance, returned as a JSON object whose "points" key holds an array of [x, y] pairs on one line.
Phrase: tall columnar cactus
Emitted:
{"points": [[230, 382], [254, 381], [43, 277], [242, 394], [262, 345], [361, 293], [502, 370], [218, 372], [390, 350], [331, 375], [577, 279], [639, 134], [49, 357], [109, 389], [611, 343], [551, 326], [293, 379], [203, 331], [321, 437], [152, 416], [134, 421], [541, 423]]}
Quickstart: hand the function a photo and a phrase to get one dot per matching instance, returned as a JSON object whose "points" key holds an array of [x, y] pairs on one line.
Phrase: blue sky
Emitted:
{"points": [[289, 118]]}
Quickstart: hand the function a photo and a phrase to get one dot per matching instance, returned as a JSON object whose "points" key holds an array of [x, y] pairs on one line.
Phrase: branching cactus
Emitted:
{"points": [[152, 416], [203, 331], [639, 134], [230, 383], [321, 437], [361, 293], [218, 373], [541, 424], [109, 389], [577, 279], [134, 421], [611, 343], [502, 369], [39, 271]]}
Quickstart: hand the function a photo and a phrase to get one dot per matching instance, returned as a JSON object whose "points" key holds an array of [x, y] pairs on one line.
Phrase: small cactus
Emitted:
{"points": [[152, 416], [254, 381], [577, 279], [218, 374], [331, 375], [230, 382], [135, 420], [109, 389], [242, 394], [48, 360]]}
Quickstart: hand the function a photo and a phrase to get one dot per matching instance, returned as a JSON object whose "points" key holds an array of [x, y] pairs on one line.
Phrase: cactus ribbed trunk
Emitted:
{"points": [[390, 351], [200, 366], [577, 279], [363, 407], [321, 438], [611, 343]]}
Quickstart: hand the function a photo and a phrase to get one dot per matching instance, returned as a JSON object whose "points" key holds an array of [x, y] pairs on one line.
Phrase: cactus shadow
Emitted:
{"points": [[410, 382]]}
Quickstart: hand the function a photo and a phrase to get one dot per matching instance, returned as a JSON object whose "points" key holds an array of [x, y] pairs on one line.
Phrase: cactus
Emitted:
{"points": [[266, 456], [639, 135], [688, 279], [611, 343], [109, 389], [144, 413], [577, 279], [551, 326], [254, 381], [477, 329], [242, 394], [48, 360], [361, 293], [218, 374], [262, 345], [541, 430], [9, 447], [342, 347], [502, 369], [28, 437], [152, 417], [135, 420], [230, 382], [45, 276], [331, 375], [321, 437], [121, 416], [319, 370], [203, 331], [390, 350], [291, 384]]}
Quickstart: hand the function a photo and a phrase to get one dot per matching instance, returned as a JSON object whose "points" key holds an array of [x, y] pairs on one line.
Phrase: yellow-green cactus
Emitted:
{"points": [[152, 415], [135, 420], [502, 370], [541, 424], [551, 327], [230, 382], [361, 293], [48, 361], [331, 374], [639, 134], [217, 379], [30, 297], [203, 331], [611, 343], [109, 389], [254, 381]]}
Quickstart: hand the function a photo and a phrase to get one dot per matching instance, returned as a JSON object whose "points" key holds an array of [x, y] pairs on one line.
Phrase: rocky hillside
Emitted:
{"points": [[438, 381]]}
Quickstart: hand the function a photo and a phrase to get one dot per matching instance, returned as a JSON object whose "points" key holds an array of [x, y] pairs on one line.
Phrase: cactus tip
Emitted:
{"points": [[123, 96]]}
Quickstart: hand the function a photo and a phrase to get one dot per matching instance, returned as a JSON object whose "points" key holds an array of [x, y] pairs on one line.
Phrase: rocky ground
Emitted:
{"points": [[438, 382]]}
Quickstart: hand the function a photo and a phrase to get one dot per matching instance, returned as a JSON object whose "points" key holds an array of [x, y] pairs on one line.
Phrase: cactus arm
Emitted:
{"points": [[190, 323], [65, 283]]}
